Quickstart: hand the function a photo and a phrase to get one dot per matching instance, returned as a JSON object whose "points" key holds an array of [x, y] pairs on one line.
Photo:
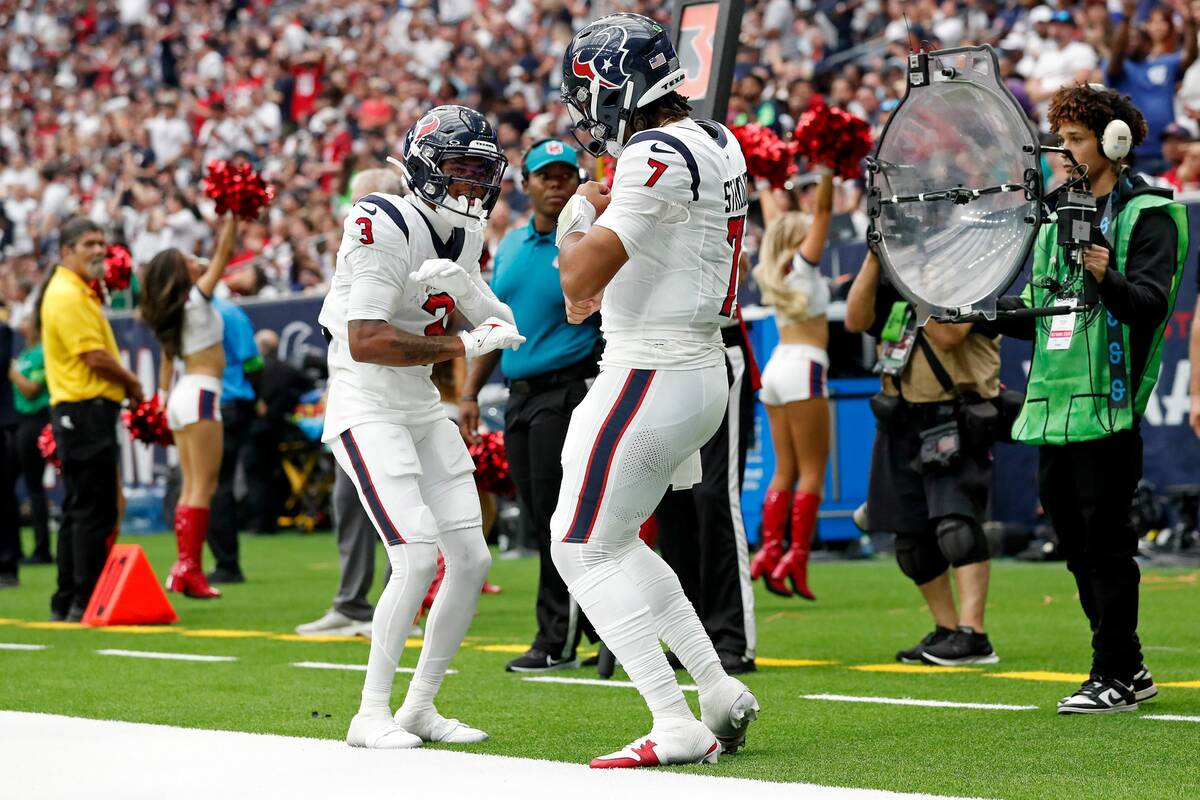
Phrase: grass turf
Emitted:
{"points": [[867, 611]]}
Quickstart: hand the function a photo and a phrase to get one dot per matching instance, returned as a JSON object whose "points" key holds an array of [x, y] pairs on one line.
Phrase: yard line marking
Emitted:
{"points": [[295, 637], [517, 649], [52, 626], [137, 629], [210, 633], [1182, 684], [922, 669], [1172, 717], [908, 701], [793, 662], [15, 646], [354, 667], [164, 656], [594, 682], [1048, 677]]}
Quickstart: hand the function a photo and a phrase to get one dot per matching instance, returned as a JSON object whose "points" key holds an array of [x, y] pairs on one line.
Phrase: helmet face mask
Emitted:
{"points": [[453, 162], [611, 68]]}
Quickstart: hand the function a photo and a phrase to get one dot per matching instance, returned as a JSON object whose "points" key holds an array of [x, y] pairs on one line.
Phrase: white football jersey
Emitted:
{"points": [[384, 238], [679, 207]]}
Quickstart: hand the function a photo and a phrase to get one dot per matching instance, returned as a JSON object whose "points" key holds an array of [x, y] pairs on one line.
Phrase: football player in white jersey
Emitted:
{"points": [[403, 266], [659, 257]]}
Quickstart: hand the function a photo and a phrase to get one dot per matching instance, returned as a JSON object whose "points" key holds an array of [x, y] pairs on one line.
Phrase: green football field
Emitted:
{"points": [[842, 646]]}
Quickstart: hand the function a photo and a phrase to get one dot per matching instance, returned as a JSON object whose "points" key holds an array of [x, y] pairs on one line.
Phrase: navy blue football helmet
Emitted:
{"points": [[454, 133], [612, 67]]}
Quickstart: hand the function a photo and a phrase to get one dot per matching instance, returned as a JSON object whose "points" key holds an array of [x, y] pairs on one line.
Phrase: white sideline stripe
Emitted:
{"points": [[595, 682], [1172, 717], [353, 667], [136, 761], [908, 701], [164, 656], [15, 646]]}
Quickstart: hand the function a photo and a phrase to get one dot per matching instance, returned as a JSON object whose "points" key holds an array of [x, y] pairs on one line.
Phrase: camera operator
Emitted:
{"points": [[931, 470], [1092, 373]]}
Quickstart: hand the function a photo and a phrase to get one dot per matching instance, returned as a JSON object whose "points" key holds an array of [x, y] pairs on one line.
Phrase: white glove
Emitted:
{"points": [[493, 334], [445, 276]]}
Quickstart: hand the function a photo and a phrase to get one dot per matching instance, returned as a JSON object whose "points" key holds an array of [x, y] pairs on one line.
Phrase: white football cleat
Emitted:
{"points": [[431, 726], [672, 743], [727, 711], [379, 733]]}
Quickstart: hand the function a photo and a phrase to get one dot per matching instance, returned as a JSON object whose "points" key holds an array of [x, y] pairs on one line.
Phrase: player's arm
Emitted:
{"points": [[589, 257], [860, 303], [470, 291], [376, 290]]}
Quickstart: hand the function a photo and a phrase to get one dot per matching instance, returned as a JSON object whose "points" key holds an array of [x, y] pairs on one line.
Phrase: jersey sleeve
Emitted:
{"points": [[377, 282], [659, 165]]}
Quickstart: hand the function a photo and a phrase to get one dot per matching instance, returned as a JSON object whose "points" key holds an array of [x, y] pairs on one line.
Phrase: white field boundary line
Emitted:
{"points": [[164, 656], [594, 682], [909, 701], [1171, 717], [109, 753], [353, 667], [16, 646]]}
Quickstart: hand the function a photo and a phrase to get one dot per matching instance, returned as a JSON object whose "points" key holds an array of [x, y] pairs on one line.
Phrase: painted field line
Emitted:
{"points": [[793, 662], [516, 649], [164, 656], [912, 669], [138, 629], [16, 646], [216, 633], [352, 667], [908, 701], [1182, 684], [109, 753], [1172, 717], [1048, 677], [594, 682]]}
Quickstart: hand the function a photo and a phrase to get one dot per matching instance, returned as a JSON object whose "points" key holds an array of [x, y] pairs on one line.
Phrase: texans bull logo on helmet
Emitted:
{"points": [[425, 126], [602, 57]]}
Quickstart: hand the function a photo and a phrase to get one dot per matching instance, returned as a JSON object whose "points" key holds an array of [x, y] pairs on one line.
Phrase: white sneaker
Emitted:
{"points": [[334, 623], [379, 733], [727, 711], [431, 726], [680, 742]]}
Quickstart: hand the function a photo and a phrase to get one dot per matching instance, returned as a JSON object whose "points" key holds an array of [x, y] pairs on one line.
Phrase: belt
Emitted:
{"points": [[552, 380]]}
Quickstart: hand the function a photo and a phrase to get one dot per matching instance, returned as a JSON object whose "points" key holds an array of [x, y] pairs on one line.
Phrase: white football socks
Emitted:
{"points": [[622, 619], [675, 618], [414, 565], [467, 563]]}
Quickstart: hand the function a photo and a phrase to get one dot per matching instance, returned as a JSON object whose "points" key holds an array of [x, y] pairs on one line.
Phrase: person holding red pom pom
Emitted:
{"points": [[178, 308], [793, 390]]}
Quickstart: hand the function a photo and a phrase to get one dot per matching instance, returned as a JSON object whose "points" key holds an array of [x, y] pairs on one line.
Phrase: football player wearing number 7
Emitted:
{"points": [[658, 255], [403, 266]]}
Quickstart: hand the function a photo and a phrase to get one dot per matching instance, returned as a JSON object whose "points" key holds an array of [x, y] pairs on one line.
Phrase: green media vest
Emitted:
{"points": [[1083, 392]]}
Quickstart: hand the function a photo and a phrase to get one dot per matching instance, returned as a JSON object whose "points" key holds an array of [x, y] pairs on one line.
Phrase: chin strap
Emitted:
{"points": [[577, 216]]}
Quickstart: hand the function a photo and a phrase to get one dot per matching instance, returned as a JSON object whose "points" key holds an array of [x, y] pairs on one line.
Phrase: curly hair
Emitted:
{"points": [[1095, 108], [668, 108]]}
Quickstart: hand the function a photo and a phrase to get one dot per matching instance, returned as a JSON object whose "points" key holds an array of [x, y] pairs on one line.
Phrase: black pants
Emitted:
{"points": [[263, 463], [10, 522], [1087, 490], [86, 434], [700, 530], [535, 429], [223, 518], [29, 465]]}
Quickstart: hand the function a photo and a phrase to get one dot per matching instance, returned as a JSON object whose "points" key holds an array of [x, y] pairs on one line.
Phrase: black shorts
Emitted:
{"points": [[903, 497]]}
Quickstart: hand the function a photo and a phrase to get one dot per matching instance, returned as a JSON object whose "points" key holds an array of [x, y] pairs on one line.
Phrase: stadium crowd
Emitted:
{"points": [[113, 109]]}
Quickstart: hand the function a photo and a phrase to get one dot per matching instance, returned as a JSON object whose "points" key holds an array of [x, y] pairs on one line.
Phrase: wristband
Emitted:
{"points": [[577, 216], [469, 398]]}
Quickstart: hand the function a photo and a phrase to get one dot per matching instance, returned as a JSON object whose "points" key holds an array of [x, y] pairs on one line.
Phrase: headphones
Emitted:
{"points": [[525, 157], [1116, 140]]}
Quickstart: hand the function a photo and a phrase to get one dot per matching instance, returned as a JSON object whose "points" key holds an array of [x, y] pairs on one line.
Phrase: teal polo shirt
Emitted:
{"points": [[525, 277]]}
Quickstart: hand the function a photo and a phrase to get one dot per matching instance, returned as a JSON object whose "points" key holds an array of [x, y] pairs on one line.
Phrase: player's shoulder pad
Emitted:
{"points": [[385, 219], [661, 163]]}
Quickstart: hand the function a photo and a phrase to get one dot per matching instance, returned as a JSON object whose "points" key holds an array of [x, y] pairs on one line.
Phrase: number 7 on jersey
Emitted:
{"points": [[737, 226]]}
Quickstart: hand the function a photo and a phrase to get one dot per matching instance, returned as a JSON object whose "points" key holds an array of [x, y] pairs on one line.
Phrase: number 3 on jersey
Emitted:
{"points": [[432, 305], [737, 226]]}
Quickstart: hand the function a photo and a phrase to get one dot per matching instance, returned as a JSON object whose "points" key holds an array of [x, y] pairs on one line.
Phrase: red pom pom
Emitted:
{"points": [[147, 422], [48, 447], [835, 138], [118, 268], [491, 464], [767, 156], [238, 189]]}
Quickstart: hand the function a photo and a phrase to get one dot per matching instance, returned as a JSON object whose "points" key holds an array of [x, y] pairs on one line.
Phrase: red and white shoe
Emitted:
{"points": [[727, 711], [682, 743]]}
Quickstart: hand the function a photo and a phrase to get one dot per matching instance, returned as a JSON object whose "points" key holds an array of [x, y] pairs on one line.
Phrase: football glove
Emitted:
{"points": [[493, 334]]}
